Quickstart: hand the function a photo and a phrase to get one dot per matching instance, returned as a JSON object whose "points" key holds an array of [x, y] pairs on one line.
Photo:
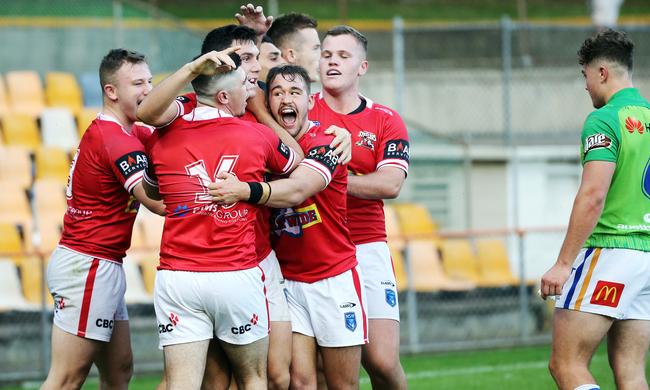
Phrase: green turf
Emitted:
{"points": [[502, 369]]}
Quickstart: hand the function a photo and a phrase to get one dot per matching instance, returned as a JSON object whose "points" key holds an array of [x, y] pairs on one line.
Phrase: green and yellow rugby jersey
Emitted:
{"points": [[620, 132]]}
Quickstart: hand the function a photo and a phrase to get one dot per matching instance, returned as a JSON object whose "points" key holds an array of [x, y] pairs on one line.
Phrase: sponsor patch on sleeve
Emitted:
{"points": [[397, 148], [597, 141], [284, 149], [131, 162], [324, 154], [183, 99]]}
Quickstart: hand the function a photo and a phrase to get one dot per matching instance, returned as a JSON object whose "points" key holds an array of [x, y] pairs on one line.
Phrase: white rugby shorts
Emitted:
{"points": [[610, 282], [195, 306], [274, 283], [331, 310], [88, 293], [378, 280]]}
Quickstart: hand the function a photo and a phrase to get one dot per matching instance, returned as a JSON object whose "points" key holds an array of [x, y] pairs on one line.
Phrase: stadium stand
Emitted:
{"points": [[31, 278], [10, 242], [59, 128], [91, 90], [84, 117], [52, 163], [25, 92], [15, 167], [4, 101], [11, 296], [148, 265], [459, 260], [136, 291], [494, 267], [62, 90], [401, 277], [426, 269], [20, 129], [415, 220], [49, 206], [14, 208]]}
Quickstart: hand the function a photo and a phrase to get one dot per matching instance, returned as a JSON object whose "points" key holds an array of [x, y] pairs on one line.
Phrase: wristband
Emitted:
{"points": [[256, 191], [270, 191]]}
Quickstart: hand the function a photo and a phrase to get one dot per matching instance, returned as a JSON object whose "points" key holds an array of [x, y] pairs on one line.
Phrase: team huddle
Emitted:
{"points": [[273, 260]]}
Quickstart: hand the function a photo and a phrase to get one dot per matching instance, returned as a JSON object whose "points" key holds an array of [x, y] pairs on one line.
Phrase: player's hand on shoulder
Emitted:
{"points": [[342, 143], [228, 189], [554, 279], [253, 17], [213, 62]]}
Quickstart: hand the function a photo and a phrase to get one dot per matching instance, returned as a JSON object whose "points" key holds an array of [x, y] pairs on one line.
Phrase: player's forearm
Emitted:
{"points": [[584, 216], [149, 197], [158, 108], [288, 192], [376, 185]]}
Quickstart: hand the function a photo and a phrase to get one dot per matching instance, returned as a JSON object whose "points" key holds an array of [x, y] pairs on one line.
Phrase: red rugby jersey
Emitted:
{"points": [[108, 164], [313, 241], [185, 157], [379, 139], [185, 104]]}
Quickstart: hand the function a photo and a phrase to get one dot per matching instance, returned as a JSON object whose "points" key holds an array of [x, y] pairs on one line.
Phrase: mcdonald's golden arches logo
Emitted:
{"points": [[607, 293]]}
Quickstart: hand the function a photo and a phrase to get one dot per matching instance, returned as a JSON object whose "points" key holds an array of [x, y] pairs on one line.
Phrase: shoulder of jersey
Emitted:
{"points": [[381, 109]]}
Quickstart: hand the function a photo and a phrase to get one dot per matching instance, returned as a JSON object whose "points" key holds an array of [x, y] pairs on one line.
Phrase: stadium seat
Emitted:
{"points": [[148, 263], [25, 92], [92, 91], [84, 118], [31, 276], [153, 227], [20, 129], [14, 209], [427, 270], [459, 261], [399, 267], [50, 206], [4, 100], [52, 163], [135, 288], [494, 267], [415, 220], [393, 230], [59, 128], [11, 295], [15, 166], [10, 242], [62, 90]]}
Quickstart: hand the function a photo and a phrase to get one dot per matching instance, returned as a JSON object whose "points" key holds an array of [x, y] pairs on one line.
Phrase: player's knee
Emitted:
{"points": [[302, 382], [119, 375], [278, 377], [383, 367]]}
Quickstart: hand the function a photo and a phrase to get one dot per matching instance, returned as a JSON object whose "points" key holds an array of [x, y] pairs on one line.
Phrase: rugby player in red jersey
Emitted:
{"points": [[323, 283], [85, 274], [379, 166]]}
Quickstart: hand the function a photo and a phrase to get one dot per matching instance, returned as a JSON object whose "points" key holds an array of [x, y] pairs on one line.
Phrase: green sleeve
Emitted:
{"points": [[600, 138]]}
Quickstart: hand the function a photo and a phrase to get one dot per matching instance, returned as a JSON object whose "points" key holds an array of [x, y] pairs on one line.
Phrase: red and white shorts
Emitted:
{"points": [[195, 306], [274, 282], [88, 293], [610, 282], [379, 280], [331, 310]]}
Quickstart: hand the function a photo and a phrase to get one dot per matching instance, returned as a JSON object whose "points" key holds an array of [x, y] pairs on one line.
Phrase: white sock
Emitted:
{"points": [[587, 387]]}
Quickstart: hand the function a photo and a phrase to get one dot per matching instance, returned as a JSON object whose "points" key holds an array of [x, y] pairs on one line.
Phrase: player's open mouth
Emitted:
{"points": [[288, 115], [333, 72], [253, 80]]}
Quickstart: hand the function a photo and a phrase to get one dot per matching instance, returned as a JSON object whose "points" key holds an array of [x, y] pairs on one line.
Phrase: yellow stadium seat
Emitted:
{"points": [[494, 267], [84, 118], [459, 260], [20, 129], [399, 267], [15, 166], [25, 92], [11, 295], [148, 263], [415, 220], [136, 291], [62, 90], [14, 208], [52, 163], [427, 270], [4, 101], [393, 230], [31, 276], [49, 198], [11, 245], [152, 227]]}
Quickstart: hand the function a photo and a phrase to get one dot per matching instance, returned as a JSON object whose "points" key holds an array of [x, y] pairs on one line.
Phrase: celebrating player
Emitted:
{"points": [[296, 36], [85, 274], [601, 272], [378, 169]]}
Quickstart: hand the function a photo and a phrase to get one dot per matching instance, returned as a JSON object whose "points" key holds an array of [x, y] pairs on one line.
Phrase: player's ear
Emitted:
{"points": [[363, 68], [222, 97], [604, 73], [110, 91], [311, 101], [290, 56]]}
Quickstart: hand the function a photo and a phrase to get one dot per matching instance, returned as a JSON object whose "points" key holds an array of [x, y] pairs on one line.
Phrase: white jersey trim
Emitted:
{"points": [[319, 168], [393, 162], [132, 181]]}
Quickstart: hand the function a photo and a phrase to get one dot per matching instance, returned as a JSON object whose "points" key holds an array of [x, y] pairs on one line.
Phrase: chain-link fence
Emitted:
{"points": [[479, 100]]}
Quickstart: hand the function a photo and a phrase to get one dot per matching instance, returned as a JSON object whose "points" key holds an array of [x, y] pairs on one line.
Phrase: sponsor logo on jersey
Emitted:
{"points": [[397, 148], [324, 154], [632, 124], [366, 140], [387, 283], [284, 149], [597, 141], [350, 321], [391, 297], [131, 163], [104, 323], [607, 293], [180, 211], [292, 222], [59, 303], [246, 327], [347, 305], [169, 327], [183, 99]]}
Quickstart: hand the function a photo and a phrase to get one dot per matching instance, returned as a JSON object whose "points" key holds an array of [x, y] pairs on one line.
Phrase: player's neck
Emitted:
{"points": [[116, 113], [344, 102], [616, 86]]}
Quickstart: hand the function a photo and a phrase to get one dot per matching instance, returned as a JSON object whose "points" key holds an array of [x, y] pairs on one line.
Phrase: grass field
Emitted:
{"points": [[515, 368]]}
